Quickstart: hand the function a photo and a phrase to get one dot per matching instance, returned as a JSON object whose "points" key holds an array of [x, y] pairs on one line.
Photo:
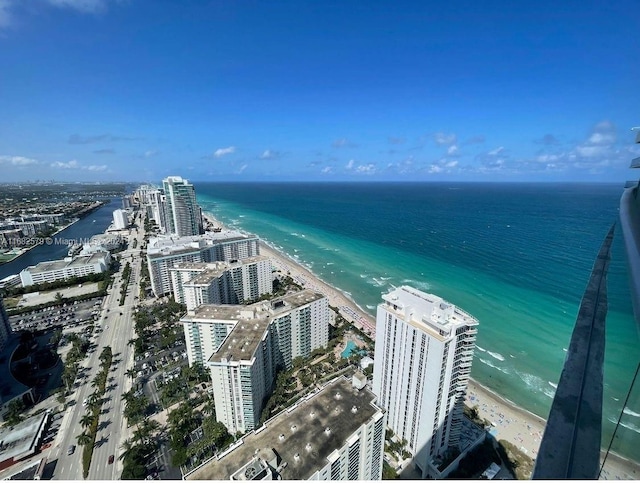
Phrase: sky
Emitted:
{"points": [[239, 90]]}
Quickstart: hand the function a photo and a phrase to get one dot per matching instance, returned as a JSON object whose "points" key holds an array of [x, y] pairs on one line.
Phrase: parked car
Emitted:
{"points": [[111, 458], [71, 449]]}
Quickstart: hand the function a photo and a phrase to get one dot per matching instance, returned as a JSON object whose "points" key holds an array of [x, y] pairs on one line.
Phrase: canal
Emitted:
{"points": [[93, 223]]}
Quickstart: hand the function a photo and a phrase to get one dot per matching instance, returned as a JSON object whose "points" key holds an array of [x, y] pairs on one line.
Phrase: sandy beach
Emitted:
{"points": [[510, 422]]}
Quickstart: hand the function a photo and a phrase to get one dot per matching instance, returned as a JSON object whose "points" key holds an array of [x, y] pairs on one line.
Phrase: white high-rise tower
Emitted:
{"points": [[423, 356]]}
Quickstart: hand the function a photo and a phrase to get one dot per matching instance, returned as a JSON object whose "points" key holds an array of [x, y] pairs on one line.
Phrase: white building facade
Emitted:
{"points": [[423, 355], [49, 271], [221, 283], [265, 337], [163, 253], [120, 219]]}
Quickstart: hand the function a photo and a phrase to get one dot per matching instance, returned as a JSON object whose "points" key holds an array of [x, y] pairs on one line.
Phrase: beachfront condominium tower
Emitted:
{"points": [[423, 355], [219, 282], [264, 338], [183, 213], [164, 252]]}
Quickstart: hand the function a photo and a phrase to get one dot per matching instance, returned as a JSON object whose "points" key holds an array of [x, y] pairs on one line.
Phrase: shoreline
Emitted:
{"points": [[513, 423]]}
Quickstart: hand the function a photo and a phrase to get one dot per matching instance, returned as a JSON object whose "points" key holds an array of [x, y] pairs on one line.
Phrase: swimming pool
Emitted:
{"points": [[351, 346]]}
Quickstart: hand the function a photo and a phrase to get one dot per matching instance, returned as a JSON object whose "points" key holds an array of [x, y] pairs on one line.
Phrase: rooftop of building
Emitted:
{"points": [[171, 244], [210, 271], [303, 436], [22, 439], [83, 260], [427, 311], [251, 322]]}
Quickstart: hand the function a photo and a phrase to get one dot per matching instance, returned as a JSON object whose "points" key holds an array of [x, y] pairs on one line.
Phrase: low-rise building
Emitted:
{"points": [[22, 440], [335, 433], [49, 271]]}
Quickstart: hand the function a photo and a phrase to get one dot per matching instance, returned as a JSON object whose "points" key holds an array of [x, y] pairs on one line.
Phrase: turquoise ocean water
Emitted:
{"points": [[516, 256]]}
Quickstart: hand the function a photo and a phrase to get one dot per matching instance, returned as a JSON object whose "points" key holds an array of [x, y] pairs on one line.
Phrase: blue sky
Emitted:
{"points": [[137, 90]]}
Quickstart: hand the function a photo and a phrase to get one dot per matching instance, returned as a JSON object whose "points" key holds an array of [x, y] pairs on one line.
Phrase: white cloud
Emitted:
{"points": [[18, 161], [435, 169], [350, 165], [451, 164], [495, 151], [65, 165], [548, 157], [269, 155], [368, 169], [326, 170], [441, 138], [242, 168], [74, 165], [150, 153], [402, 167], [220, 152], [452, 150]]}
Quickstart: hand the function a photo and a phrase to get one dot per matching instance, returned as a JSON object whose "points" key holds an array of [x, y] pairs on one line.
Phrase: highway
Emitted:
{"points": [[117, 329]]}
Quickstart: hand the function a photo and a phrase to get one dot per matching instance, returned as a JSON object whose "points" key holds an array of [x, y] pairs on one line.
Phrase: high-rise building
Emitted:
{"points": [[183, 213], [158, 205], [263, 338], [120, 219], [335, 433], [423, 356], [163, 253], [216, 283], [5, 327]]}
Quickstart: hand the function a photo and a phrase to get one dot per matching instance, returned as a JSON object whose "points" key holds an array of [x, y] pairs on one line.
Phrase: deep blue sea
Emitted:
{"points": [[516, 256]]}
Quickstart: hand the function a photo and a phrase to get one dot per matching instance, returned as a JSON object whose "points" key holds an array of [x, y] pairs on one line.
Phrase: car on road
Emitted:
{"points": [[111, 458], [84, 403], [71, 449]]}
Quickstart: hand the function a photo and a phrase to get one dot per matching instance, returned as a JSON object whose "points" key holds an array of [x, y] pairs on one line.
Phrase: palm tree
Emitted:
{"points": [[127, 396], [84, 439], [130, 373], [86, 420]]}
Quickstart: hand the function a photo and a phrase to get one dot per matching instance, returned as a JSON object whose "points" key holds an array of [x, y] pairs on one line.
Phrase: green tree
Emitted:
{"points": [[14, 414], [84, 439], [86, 420]]}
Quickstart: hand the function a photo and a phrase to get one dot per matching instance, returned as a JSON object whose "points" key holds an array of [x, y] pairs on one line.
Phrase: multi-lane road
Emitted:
{"points": [[117, 327]]}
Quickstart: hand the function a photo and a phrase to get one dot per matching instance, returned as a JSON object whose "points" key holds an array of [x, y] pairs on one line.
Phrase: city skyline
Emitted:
{"points": [[134, 89]]}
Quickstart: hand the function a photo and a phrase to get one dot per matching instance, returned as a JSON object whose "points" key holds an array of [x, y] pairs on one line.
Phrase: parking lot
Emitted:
{"points": [[68, 315]]}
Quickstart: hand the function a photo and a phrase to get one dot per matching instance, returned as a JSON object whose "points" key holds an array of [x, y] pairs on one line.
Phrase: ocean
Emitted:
{"points": [[516, 256]]}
